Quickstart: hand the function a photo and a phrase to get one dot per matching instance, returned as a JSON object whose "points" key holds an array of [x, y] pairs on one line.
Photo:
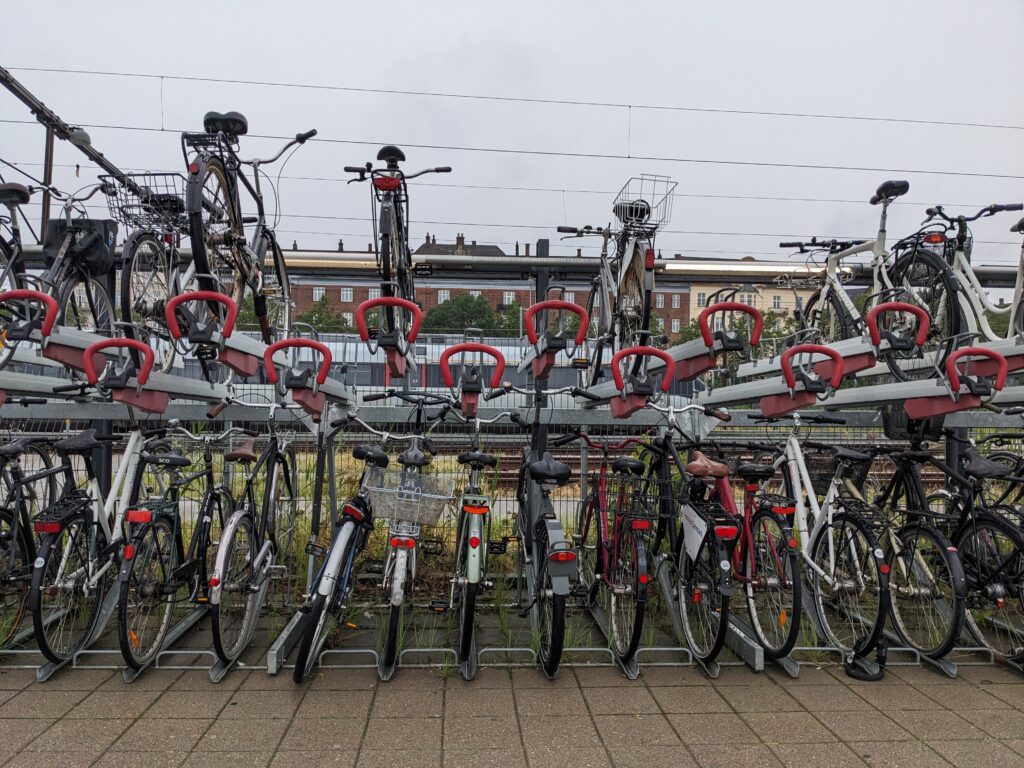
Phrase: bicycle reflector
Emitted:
{"points": [[351, 510], [215, 581], [934, 238], [129, 552], [727, 532], [474, 542], [403, 541], [139, 516], [387, 183], [641, 525], [46, 526], [193, 168], [649, 258], [474, 509], [562, 556]]}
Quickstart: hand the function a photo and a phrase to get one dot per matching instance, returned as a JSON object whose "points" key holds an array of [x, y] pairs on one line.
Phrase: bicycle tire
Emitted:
{"points": [[699, 583], [221, 506], [854, 626], [595, 338], [941, 303], [627, 615], [319, 623], [85, 305], [783, 609], [392, 638], [284, 505], [73, 621], [209, 260], [996, 490], [15, 577], [633, 308], [146, 286], [143, 595], [995, 583], [232, 617], [467, 620], [591, 547], [929, 617], [396, 611], [830, 320], [7, 313]]}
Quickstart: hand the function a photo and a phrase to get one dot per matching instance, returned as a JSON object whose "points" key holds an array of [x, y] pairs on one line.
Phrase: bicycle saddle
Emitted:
{"points": [[702, 466], [371, 454], [391, 155], [848, 454], [232, 123], [979, 467], [15, 447], [478, 459], [413, 457], [14, 194], [83, 442], [632, 212], [755, 471], [549, 470], [1018, 227], [245, 452], [167, 459], [890, 188], [625, 464]]}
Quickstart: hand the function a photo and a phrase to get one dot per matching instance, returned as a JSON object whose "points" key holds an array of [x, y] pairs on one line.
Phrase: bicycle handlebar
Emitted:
{"points": [[300, 138], [989, 210]]}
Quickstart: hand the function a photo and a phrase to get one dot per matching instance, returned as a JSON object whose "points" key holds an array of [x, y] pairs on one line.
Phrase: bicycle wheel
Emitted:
{"points": [[551, 610], [597, 338], [85, 305], [43, 491], [702, 603], [591, 550], [220, 509], [146, 286], [773, 584], [396, 611], [283, 504], [15, 576], [927, 585], [998, 490], [924, 280], [633, 307], [848, 581], [828, 317], [214, 227], [64, 605], [991, 551], [467, 620], [234, 616], [628, 593], [10, 279], [278, 291], [146, 599], [320, 622]]}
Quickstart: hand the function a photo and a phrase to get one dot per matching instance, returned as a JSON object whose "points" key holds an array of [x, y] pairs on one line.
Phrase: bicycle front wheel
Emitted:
{"points": [[628, 593], [234, 615], [214, 227], [283, 506], [15, 576], [146, 287], [320, 622], [10, 279], [145, 602], [927, 584], [85, 305], [773, 584], [702, 603], [633, 306]]}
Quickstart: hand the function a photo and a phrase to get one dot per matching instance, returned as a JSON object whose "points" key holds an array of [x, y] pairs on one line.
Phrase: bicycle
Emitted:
{"points": [[220, 253], [77, 251], [155, 564], [620, 299], [391, 226]]}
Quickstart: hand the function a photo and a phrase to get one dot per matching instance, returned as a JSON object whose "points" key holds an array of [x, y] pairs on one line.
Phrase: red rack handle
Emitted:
{"points": [[954, 375], [730, 306], [51, 305], [566, 306], [472, 346], [666, 375], [787, 362], [148, 358], [220, 298], [388, 301], [325, 354], [923, 320]]}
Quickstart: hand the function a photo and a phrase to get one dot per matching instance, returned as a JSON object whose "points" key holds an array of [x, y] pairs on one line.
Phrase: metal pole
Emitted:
{"points": [[47, 179]]}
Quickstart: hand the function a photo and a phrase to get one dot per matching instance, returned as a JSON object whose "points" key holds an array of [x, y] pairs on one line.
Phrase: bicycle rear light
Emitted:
{"points": [[641, 525], [562, 556], [351, 510], [934, 238], [387, 183], [139, 516], [649, 258], [46, 526], [727, 532], [473, 509], [402, 541]]}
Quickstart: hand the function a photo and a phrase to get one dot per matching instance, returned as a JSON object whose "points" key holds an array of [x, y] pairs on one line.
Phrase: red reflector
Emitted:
{"points": [[129, 551], [644, 578], [169, 239], [562, 556], [387, 183], [470, 510], [1001, 602], [351, 510], [792, 543], [935, 237], [641, 525], [784, 510], [884, 569], [193, 168], [139, 516], [474, 541], [696, 596], [649, 258], [402, 541], [46, 527], [214, 581], [752, 486], [726, 531]]}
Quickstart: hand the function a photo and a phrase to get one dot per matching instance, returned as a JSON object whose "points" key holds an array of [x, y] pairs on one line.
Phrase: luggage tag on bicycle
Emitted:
{"points": [[695, 528]]}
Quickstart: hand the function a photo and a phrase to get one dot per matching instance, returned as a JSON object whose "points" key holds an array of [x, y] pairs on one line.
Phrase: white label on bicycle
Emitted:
{"points": [[878, 553], [39, 563], [695, 528]]}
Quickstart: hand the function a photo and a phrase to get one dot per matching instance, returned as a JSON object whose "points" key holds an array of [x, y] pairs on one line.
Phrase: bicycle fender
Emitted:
{"points": [[560, 571], [136, 541], [398, 577], [335, 559], [194, 186], [474, 555], [219, 565]]}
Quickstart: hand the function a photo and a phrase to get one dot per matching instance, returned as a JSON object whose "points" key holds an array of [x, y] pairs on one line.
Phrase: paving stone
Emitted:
{"points": [[78, 679], [532, 677], [905, 754], [673, 676], [321, 734], [354, 705], [650, 756], [52, 760], [460, 701], [537, 702], [859, 725], [928, 726], [185, 705], [200, 759], [895, 698], [725, 728], [263, 704], [193, 680], [399, 733], [232, 735], [689, 699], [1001, 723], [590, 677], [83, 736], [736, 674], [16, 679], [554, 756], [112, 759], [332, 758], [760, 698], [563, 732], [614, 700], [37, 702], [922, 675], [416, 680], [988, 674], [114, 704], [733, 755], [404, 702], [1010, 693], [156, 736], [816, 698], [651, 728], [969, 754], [405, 758], [494, 677], [787, 727], [481, 733], [150, 680], [259, 680], [809, 675], [484, 758], [833, 755], [334, 679], [15, 734]]}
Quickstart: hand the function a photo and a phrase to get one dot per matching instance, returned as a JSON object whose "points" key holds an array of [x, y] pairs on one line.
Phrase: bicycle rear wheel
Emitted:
{"points": [[145, 602], [702, 603], [773, 584], [146, 286], [283, 507], [234, 616], [828, 317], [10, 279], [927, 584], [992, 552], [633, 305], [15, 576], [214, 226], [85, 305], [628, 593], [320, 622]]}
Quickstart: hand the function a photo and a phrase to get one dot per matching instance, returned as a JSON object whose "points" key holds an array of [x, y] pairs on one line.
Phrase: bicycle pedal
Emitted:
{"points": [[579, 590], [431, 547], [438, 607], [316, 550], [581, 363], [499, 547], [374, 566], [277, 572]]}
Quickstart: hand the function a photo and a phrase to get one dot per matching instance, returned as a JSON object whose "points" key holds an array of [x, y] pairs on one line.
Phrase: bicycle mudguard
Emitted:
{"points": [[561, 569], [334, 564]]}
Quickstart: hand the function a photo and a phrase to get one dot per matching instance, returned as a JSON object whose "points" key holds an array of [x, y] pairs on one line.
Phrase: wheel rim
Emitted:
{"points": [[772, 600], [630, 308], [623, 594], [700, 600], [66, 607], [921, 282], [995, 576], [149, 605], [14, 581], [87, 308], [236, 591], [284, 509], [922, 592], [147, 291]]}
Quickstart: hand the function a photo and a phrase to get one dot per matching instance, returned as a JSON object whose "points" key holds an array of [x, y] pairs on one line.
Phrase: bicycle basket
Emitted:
{"points": [[643, 498], [413, 498], [97, 257], [821, 467], [149, 201], [645, 202], [898, 426]]}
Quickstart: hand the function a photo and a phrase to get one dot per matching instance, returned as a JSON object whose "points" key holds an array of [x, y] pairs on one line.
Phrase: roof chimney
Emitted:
{"points": [[526, 252], [517, 247], [460, 243], [433, 239], [369, 247], [474, 242], [579, 252], [428, 238], [341, 244], [295, 245]]}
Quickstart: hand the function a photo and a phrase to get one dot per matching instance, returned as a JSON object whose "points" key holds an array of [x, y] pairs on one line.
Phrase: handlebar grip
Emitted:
{"points": [[1015, 207], [443, 169], [251, 432], [716, 413], [568, 230], [563, 440], [377, 396], [32, 401], [216, 410], [302, 138], [824, 420], [930, 211], [158, 432], [495, 393], [69, 388], [519, 421], [354, 169], [577, 392], [794, 244]]}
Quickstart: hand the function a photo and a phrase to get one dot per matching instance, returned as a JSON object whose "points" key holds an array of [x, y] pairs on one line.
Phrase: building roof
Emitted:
{"points": [[459, 248]]}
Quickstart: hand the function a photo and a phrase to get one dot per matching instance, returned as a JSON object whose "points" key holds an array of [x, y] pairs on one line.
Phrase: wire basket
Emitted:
{"points": [[413, 498], [645, 202], [642, 498], [149, 201], [822, 467]]}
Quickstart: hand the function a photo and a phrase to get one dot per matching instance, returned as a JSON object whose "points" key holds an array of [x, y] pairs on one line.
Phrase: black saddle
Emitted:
{"points": [[15, 447], [890, 189], [632, 211], [167, 460], [477, 459], [549, 470], [413, 457], [391, 155], [848, 454], [83, 442], [629, 465], [14, 194], [371, 454], [751, 472], [980, 468], [231, 123]]}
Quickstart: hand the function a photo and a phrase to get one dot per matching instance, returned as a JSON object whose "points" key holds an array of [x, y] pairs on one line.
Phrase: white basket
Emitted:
{"points": [[645, 202], [413, 498]]}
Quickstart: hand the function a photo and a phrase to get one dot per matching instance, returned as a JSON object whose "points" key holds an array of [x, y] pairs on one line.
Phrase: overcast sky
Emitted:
{"points": [[932, 61]]}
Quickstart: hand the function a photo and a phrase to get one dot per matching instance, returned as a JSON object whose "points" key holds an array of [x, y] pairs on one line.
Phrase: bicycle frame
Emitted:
{"points": [[974, 302]]}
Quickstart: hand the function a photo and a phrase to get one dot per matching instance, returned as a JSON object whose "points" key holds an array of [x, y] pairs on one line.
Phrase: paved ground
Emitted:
{"points": [[672, 717]]}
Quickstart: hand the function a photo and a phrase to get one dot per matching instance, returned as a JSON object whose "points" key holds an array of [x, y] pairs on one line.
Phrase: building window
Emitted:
{"points": [[675, 325], [346, 294], [748, 299], [675, 300], [443, 296], [570, 297], [475, 294], [318, 292], [374, 293], [346, 318], [508, 298], [776, 302], [659, 300]]}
